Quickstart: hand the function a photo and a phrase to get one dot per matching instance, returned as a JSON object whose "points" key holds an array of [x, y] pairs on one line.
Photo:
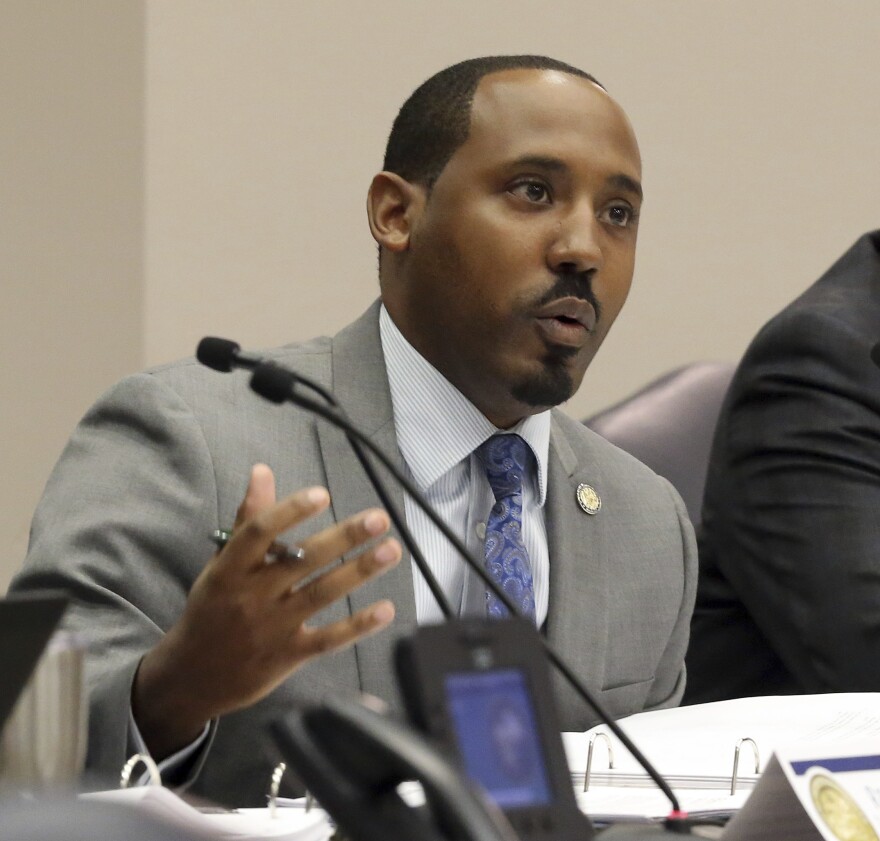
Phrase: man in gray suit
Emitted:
{"points": [[506, 217]]}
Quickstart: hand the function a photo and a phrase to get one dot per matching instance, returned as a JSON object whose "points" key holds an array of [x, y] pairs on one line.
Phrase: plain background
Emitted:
{"points": [[176, 168]]}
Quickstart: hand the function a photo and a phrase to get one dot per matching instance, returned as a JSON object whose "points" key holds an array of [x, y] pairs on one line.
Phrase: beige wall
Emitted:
{"points": [[71, 230], [205, 169]]}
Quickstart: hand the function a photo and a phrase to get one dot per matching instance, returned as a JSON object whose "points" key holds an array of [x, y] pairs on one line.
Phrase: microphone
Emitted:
{"points": [[279, 385], [273, 382], [223, 355], [875, 354]]}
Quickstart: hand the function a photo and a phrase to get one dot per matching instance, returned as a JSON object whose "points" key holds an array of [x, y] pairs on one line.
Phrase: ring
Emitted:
{"points": [[277, 551], [280, 552]]}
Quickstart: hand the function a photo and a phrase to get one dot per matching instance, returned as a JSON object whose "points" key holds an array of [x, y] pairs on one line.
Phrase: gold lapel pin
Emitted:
{"points": [[588, 499]]}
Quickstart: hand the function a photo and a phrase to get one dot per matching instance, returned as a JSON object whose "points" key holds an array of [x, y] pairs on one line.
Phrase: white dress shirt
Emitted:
{"points": [[438, 429]]}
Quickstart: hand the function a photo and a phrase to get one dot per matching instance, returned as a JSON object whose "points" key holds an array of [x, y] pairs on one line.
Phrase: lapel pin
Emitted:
{"points": [[588, 499]]}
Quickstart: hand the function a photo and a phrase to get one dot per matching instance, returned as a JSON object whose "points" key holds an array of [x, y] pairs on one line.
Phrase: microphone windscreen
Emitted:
{"points": [[875, 354], [273, 382], [216, 353]]}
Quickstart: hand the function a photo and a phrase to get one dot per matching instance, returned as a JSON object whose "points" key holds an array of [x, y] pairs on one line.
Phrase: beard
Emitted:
{"points": [[552, 385]]}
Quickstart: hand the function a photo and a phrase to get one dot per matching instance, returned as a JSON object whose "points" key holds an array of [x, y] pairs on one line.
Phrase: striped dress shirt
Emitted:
{"points": [[438, 429]]}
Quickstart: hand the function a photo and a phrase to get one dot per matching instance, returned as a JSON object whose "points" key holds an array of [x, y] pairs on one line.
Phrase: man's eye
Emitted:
{"points": [[620, 215], [533, 191]]}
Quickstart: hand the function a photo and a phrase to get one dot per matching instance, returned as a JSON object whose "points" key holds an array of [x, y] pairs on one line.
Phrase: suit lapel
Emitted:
{"points": [[577, 621], [361, 386]]}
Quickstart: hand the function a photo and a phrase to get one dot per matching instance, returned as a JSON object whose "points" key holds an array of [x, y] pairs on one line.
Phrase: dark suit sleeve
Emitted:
{"points": [[124, 527], [792, 513]]}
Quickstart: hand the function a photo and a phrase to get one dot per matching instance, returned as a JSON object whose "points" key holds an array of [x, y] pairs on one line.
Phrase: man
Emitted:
{"points": [[789, 593], [506, 218]]}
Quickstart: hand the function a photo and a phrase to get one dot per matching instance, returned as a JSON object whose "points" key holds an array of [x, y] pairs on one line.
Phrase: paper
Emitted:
{"points": [[288, 825]]}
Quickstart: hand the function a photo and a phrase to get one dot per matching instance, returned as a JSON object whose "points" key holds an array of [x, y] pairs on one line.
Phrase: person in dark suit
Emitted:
{"points": [[506, 216], [789, 590]]}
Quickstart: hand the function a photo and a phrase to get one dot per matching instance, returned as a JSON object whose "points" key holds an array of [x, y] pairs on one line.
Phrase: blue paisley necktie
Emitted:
{"points": [[507, 561]]}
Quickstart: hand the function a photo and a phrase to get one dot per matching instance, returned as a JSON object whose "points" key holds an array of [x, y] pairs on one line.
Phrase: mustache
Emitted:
{"points": [[573, 285]]}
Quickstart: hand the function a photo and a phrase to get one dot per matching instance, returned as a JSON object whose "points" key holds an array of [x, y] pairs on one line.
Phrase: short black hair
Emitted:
{"points": [[435, 120]]}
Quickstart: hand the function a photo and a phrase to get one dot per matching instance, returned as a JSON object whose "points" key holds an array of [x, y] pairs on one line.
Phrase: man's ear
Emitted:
{"points": [[393, 207]]}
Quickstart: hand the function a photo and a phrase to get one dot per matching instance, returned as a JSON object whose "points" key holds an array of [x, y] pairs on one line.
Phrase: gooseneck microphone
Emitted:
{"points": [[223, 355], [279, 385]]}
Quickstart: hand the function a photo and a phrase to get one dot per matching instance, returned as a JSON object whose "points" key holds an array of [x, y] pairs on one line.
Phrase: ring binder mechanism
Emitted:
{"points": [[735, 774], [274, 785], [589, 768], [133, 761]]}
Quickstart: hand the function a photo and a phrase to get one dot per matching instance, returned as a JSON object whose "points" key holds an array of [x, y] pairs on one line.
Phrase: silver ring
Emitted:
{"points": [[280, 552], [277, 551]]}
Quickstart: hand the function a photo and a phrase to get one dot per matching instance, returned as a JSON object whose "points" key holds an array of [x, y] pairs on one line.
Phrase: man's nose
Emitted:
{"points": [[576, 245]]}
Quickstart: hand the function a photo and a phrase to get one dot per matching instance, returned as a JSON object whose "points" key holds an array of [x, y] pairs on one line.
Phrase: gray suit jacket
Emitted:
{"points": [[163, 459]]}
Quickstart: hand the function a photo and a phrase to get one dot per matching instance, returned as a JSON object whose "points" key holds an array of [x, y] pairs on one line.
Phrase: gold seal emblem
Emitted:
{"points": [[588, 499], [841, 814]]}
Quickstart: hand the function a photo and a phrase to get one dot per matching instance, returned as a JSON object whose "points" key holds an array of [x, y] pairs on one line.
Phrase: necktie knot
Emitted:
{"points": [[504, 458]]}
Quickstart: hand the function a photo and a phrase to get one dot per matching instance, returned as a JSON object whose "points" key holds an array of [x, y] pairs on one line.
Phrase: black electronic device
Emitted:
{"points": [[482, 688], [353, 759]]}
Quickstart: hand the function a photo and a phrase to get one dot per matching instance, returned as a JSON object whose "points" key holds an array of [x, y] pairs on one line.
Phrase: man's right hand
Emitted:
{"points": [[244, 629]]}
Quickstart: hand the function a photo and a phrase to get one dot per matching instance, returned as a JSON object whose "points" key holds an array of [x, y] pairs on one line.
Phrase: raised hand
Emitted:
{"points": [[244, 628]]}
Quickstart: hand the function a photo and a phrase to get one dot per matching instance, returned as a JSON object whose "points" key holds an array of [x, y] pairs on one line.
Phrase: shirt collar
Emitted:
{"points": [[436, 425]]}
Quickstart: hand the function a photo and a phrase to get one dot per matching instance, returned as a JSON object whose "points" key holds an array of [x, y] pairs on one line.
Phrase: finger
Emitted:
{"points": [[327, 546], [260, 493], [253, 538], [323, 590], [310, 642]]}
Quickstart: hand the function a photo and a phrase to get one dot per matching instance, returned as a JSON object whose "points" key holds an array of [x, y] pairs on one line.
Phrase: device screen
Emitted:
{"points": [[497, 735]]}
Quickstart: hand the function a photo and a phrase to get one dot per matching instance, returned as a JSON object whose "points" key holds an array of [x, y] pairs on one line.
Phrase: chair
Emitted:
{"points": [[669, 425]]}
